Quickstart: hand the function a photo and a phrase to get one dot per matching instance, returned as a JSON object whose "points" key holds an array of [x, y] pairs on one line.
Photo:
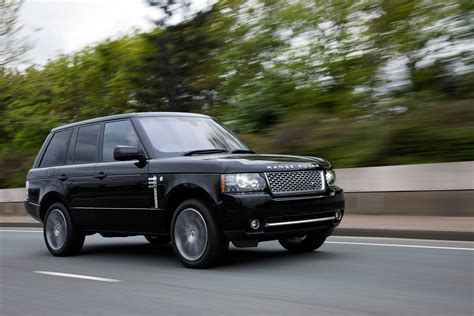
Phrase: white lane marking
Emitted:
{"points": [[77, 276], [397, 245], [20, 231]]}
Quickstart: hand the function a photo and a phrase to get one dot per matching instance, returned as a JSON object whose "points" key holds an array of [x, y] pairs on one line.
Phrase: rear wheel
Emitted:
{"points": [[157, 240], [306, 243], [196, 238], [61, 236]]}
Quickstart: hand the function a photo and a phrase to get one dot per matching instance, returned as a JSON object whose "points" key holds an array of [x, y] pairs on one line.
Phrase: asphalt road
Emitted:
{"points": [[347, 276]]}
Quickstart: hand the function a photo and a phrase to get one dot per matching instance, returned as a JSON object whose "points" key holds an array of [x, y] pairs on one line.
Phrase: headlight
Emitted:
{"points": [[330, 176], [242, 182]]}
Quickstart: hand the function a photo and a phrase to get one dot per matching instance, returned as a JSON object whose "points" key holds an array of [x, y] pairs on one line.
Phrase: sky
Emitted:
{"points": [[65, 26]]}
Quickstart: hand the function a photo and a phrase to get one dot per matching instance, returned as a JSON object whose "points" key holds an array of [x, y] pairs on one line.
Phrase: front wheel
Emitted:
{"points": [[306, 243], [195, 235], [61, 236]]}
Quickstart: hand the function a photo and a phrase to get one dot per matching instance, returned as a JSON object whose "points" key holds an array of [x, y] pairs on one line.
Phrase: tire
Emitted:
{"points": [[61, 236], [305, 243], [157, 240], [197, 240]]}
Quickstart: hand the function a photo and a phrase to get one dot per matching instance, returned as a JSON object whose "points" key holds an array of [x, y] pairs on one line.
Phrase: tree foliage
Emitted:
{"points": [[358, 82]]}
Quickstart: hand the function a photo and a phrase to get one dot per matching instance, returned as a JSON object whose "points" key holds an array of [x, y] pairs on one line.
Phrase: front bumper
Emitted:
{"points": [[280, 216]]}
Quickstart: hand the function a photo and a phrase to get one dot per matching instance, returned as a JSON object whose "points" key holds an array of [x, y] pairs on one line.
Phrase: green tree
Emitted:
{"points": [[179, 71]]}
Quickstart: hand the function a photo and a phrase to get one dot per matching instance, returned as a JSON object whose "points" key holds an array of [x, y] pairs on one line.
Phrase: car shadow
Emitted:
{"points": [[135, 253], [254, 257], [162, 255]]}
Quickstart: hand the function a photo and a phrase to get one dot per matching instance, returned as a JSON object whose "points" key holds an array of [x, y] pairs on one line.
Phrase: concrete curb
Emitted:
{"points": [[404, 233], [355, 232], [21, 224]]}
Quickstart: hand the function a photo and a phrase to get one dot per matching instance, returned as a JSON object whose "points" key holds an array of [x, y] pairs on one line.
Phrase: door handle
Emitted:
{"points": [[62, 177], [100, 175]]}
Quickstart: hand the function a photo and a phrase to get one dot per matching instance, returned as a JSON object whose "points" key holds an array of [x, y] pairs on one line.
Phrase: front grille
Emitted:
{"points": [[294, 182]]}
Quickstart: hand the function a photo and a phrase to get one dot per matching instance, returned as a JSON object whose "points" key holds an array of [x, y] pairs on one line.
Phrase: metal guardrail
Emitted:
{"points": [[424, 177], [12, 195]]}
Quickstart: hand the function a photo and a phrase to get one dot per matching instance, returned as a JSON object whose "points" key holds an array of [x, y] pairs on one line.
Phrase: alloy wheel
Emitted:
{"points": [[191, 234], [56, 229]]}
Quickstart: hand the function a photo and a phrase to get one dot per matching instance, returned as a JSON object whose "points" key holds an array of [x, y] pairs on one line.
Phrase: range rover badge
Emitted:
{"points": [[292, 166]]}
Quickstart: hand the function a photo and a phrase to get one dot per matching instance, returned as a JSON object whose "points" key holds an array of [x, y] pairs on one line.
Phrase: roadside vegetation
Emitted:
{"points": [[361, 83]]}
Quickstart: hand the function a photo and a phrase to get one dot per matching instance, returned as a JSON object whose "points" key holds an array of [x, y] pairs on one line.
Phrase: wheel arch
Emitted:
{"points": [[47, 200], [183, 192]]}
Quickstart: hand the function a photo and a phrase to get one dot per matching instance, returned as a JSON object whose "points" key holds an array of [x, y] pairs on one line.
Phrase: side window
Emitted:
{"points": [[118, 133], [86, 144], [55, 154]]}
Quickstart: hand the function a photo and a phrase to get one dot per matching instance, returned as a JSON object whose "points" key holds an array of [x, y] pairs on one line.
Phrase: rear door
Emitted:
{"points": [[123, 200], [78, 174]]}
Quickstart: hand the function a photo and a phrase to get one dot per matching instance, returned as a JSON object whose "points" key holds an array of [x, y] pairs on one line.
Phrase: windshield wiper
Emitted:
{"points": [[204, 151], [242, 151]]}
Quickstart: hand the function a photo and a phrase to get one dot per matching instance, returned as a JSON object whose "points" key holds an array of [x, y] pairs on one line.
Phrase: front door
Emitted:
{"points": [[123, 200]]}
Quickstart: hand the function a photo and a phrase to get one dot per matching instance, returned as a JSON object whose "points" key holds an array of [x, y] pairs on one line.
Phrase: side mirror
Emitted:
{"points": [[125, 153]]}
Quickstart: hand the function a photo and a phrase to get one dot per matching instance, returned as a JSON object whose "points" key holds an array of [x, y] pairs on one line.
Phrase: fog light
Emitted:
{"points": [[338, 215], [254, 224]]}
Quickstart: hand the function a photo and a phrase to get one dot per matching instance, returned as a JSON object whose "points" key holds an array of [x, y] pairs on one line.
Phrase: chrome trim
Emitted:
{"points": [[153, 184], [323, 182], [82, 208], [323, 219]]}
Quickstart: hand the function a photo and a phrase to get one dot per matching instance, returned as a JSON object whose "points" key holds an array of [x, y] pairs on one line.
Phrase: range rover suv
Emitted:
{"points": [[180, 178]]}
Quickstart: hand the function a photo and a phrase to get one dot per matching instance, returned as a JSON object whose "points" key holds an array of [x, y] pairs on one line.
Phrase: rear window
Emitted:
{"points": [[55, 154], [86, 144]]}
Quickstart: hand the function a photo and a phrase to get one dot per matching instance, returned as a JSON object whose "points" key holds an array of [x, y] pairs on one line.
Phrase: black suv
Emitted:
{"points": [[180, 178]]}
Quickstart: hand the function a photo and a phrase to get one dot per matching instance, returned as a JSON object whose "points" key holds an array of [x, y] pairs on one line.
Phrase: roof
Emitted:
{"points": [[128, 115]]}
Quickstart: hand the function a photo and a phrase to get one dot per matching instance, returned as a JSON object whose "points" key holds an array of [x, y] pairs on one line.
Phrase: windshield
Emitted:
{"points": [[175, 135]]}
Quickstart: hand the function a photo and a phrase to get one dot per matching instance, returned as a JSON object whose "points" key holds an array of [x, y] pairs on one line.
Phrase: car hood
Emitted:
{"points": [[233, 163]]}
